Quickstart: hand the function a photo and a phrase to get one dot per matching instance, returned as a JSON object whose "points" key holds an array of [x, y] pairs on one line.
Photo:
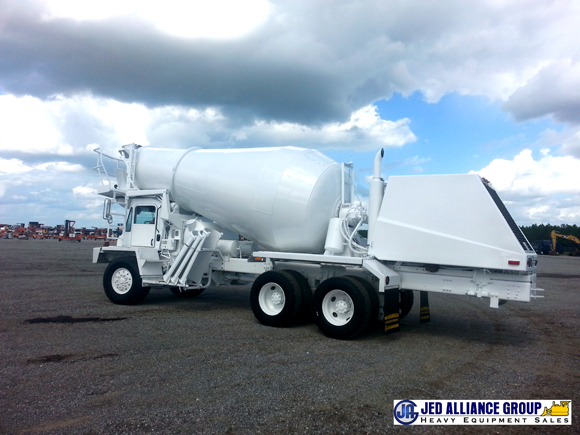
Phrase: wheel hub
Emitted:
{"points": [[337, 307], [342, 307], [276, 298], [272, 299], [122, 281]]}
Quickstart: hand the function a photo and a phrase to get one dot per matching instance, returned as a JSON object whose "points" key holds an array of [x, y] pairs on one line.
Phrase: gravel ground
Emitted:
{"points": [[71, 362]]}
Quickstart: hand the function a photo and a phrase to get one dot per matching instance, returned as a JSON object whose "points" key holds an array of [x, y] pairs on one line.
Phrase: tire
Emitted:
{"points": [[193, 293], [345, 306], [307, 311], [122, 282], [406, 300], [373, 295], [276, 299]]}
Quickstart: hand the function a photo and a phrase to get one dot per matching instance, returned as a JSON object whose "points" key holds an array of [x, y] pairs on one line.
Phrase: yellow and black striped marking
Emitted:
{"points": [[391, 311], [425, 314], [392, 323]]}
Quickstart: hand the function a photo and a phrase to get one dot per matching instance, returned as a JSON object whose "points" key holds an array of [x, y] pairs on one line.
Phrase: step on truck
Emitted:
{"points": [[287, 220]]}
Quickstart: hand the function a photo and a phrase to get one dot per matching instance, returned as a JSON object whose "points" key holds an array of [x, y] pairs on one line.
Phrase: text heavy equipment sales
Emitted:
{"points": [[482, 412], [494, 420], [481, 408]]}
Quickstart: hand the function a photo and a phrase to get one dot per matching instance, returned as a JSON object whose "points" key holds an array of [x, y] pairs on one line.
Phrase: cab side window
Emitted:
{"points": [[145, 214], [129, 221]]}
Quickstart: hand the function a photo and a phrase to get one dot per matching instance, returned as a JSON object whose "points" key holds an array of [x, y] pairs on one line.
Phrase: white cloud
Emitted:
{"points": [[82, 123], [566, 141], [86, 191], [77, 121], [60, 167], [524, 176], [365, 130], [416, 162], [82, 10], [64, 125], [218, 19], [16, 166], [302, 61], [571, 145], [537, 190], [29, 125], [554, 90], [259, 74], [46, 182], [13, 166]]}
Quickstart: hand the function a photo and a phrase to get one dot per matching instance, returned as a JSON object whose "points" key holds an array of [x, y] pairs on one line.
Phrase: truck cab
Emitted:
{"points": [[141, 224]]}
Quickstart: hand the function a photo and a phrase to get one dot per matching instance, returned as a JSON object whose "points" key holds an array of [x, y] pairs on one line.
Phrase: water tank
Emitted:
{"points": [[280, 198]]}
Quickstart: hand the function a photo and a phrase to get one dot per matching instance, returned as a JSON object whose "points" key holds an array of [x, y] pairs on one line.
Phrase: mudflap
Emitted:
{"points": [[425, 314], [391, 310]]}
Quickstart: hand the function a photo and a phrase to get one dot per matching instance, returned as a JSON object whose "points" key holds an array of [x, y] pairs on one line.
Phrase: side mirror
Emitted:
{"points": [[107, 211]]}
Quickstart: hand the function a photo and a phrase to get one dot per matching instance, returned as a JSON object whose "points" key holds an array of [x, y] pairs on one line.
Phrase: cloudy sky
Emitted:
{"points": [[443, 86]]}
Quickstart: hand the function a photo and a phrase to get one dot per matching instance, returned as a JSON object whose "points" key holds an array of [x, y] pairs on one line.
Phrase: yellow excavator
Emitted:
{"points": [[555, 235]]}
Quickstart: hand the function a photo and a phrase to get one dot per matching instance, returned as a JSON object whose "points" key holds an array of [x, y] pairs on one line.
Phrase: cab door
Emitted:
{"points": [[143, 226]]}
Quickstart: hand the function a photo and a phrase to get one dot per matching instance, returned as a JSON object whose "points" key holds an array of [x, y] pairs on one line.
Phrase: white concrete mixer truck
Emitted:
{"points": [[287, 220]]}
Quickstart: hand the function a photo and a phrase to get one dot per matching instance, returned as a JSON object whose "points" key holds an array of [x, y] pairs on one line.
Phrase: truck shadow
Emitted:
{"points": [[213, 298], [470, 322], [482, 331]]}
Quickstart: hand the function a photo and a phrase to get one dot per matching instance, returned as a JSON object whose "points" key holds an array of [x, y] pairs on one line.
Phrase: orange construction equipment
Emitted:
{"points": [[21, 233], [68, 232], [98, 234]]}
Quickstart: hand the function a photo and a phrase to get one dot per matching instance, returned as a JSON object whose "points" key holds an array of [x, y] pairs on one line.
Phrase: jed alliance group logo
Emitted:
{"points": [[483, 412]]}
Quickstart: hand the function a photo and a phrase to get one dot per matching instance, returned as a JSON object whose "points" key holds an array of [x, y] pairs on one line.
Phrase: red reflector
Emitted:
{"points": [[514, 262], [387, 279]]}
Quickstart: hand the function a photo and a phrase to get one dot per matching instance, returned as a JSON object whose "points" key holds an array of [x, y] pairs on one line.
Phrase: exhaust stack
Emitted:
{"points": [[377, 190]]}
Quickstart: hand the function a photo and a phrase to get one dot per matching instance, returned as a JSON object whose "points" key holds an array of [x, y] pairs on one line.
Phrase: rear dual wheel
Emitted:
{"points": [[345, 306], [281, 298], [306, 290]]}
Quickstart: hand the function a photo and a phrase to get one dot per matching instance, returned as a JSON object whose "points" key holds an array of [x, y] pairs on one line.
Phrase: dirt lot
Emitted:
{"points": [[71, 362]]}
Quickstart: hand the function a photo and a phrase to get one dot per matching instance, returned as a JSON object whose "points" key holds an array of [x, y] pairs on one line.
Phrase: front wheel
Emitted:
{"points": [[122, 282], [344, 307]]}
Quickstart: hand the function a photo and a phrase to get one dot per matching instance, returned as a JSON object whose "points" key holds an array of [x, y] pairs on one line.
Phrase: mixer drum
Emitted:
{"points": [[280, 198]]}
